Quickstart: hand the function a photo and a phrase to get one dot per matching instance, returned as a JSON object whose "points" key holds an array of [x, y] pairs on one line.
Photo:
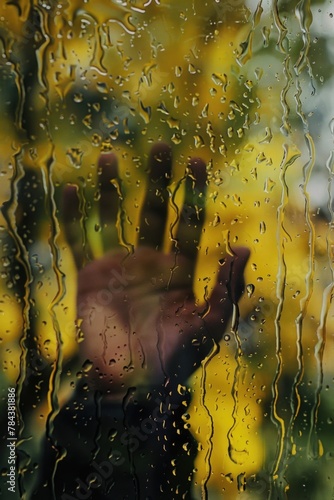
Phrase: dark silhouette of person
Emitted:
{"points": [[125, 432]]}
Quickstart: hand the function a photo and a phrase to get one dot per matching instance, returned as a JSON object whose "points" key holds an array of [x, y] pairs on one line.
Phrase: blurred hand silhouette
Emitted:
{"points": [[144, 334], [140, 320]]}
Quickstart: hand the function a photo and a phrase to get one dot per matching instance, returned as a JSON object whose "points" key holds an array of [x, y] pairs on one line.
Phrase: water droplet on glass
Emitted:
{"points": [[112, 434], [78, 97], [178, 71], [250, 290], [75, 155], [87, 366], [199, 141], [331, 126]]}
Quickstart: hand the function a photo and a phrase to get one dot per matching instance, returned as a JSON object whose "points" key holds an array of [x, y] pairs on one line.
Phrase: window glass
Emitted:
{"points": [[147, 147]]}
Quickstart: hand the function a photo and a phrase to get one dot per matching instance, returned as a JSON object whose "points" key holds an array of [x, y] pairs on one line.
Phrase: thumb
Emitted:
{"points": [[227, 291]]}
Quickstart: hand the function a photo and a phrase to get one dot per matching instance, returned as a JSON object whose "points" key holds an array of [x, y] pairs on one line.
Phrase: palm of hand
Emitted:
{"points": [[140, 320]]}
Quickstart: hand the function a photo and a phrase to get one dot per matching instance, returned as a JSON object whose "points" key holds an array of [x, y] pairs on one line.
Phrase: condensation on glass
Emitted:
{"points": [[247, 87]]}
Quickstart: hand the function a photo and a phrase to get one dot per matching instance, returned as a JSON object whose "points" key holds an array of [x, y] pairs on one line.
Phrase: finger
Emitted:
{"points": [[154, 212], [193, 211], [227, 292], [75, 232], [110, 197], [207, 327]]}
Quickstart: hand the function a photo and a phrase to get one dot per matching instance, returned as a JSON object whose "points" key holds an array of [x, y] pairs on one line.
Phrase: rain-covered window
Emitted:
{"points": [[166, 249]]}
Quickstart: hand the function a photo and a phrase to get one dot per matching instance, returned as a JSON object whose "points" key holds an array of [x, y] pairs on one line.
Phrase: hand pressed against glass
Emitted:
{"points": [[140, 320]]}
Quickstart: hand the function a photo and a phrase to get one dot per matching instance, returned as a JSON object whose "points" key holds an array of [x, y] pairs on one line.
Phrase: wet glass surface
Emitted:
{"points": [[176, 134]]}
